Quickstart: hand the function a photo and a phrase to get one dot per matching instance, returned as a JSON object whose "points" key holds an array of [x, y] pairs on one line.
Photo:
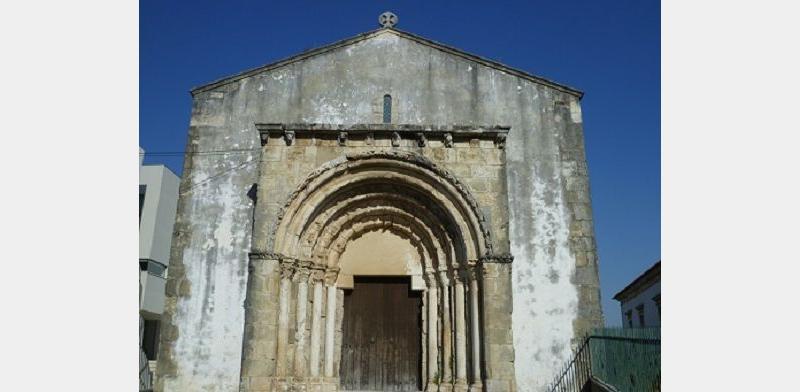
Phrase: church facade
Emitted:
{"points": [[382, 213]]}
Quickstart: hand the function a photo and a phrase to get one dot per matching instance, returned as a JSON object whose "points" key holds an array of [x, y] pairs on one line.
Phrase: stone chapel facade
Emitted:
{"points": [[382, 213]]}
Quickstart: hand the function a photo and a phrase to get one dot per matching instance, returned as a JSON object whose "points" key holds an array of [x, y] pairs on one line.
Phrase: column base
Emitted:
{"points": [[315, 384], [290, 384], [446, 387], [460, 386], [431, 387], [330, 384], [476, 387]]}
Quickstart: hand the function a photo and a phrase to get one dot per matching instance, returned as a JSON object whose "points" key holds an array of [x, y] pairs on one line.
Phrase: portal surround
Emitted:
{"points": [[400, 192]]}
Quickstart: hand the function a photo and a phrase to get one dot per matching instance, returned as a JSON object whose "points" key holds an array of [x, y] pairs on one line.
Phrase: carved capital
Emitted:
{"points": [[317, 274], [430, 278], [342, 139], [301, 275], [475, 270], [444, 278], [287, 266], [395, 139], [302, 271], [331, 275]]}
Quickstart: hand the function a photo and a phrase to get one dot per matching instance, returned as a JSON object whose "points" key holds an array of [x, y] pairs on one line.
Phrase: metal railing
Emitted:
{"points": [[577, 372], [145, 375], [614, 359]]}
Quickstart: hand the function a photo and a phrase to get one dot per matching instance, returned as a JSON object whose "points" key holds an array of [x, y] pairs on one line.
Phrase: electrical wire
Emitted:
{"points": [[218, 175], [210, 152]]}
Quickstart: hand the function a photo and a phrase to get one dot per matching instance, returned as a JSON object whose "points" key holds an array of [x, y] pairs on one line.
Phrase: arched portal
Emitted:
{"points": [[331, 230]]}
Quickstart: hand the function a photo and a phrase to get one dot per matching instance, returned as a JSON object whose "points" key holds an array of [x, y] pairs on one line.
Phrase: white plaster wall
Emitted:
{"points": [[218, 285], [545, 302], [651, 315]]}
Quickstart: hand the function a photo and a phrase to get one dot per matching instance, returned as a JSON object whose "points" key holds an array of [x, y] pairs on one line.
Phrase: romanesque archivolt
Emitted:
{"points": [[412, 172]]}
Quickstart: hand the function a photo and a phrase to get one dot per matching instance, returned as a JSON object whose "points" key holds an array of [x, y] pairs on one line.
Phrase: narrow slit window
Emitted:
{"points": [[387, 109]]}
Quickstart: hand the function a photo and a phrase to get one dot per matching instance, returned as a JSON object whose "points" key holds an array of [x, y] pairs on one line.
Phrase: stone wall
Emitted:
{"points": [[554, 274]]}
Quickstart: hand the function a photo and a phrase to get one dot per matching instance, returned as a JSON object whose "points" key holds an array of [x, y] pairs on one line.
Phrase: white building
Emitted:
{"points": [[641, 300], [158, 200]]}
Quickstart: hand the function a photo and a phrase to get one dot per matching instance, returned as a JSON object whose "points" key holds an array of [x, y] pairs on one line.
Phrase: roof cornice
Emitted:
{"points": [[364, 36], [652, 275]]}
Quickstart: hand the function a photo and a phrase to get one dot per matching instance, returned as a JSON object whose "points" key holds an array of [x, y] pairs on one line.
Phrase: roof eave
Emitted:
{"points": [[623, 294]]}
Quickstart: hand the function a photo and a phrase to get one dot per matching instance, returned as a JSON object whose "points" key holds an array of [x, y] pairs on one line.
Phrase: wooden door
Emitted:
{"points": [[381, 336]]}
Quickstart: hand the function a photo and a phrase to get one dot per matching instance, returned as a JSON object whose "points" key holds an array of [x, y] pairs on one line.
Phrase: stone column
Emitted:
{"points": [[287, 269], [433, 347], [301, 277], [316, 322], [447, 335], [477, 379], [423, 347], [461, 335], [330, 318]]}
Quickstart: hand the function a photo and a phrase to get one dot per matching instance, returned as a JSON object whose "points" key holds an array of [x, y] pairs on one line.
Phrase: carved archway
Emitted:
{"points": [[436, 191], [389, 191]]}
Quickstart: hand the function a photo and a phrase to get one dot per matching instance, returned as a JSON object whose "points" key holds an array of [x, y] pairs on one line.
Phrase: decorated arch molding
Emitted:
{"points": [[357, 192], [391, 219]]}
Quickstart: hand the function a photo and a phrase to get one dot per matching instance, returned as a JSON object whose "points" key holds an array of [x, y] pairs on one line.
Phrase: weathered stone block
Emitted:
{"points": [[272, 154], [459, 170], [495, 385], [325, 155], [468, 155]]}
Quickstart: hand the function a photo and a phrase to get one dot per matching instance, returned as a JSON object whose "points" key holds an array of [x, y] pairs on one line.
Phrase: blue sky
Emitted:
{"points": [[608, 49]]}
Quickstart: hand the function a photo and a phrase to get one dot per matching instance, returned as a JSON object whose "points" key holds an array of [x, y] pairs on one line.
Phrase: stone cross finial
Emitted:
{"points": [[388, 19]]}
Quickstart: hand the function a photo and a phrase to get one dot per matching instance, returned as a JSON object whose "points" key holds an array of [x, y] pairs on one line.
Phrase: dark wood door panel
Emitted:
{"points": [[381, 336]]}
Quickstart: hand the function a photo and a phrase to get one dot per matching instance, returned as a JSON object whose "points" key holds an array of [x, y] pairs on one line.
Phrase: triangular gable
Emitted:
{"points": [[365, 36]]}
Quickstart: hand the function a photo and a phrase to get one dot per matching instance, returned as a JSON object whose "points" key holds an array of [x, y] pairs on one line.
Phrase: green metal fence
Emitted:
{"points": [[627, 358], [621, 359]]}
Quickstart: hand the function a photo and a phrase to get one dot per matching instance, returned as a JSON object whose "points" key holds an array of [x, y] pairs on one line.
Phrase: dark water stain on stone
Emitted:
{"points": [[553, 276], [556, 347]]}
